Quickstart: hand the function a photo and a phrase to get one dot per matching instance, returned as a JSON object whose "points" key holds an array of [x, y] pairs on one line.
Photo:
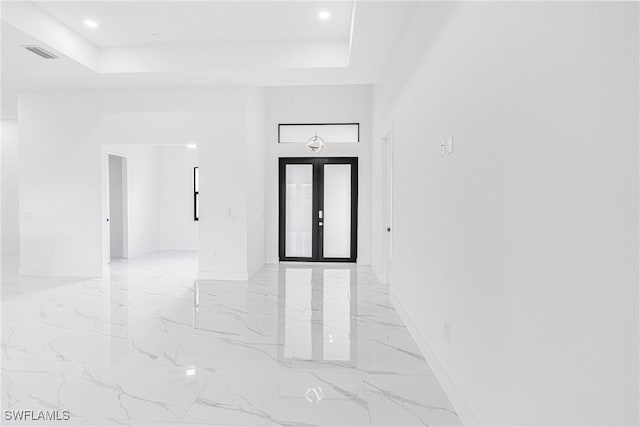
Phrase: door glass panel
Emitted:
{"points": [[337, 211], [299, 216]]}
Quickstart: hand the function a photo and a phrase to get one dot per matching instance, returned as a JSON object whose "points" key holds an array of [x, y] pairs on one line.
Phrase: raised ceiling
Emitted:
{"points": [[158, 23], [183, 43]]}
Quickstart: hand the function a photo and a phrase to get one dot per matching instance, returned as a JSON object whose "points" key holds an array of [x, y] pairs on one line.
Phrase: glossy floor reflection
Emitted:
{"points": [[296, 345]]}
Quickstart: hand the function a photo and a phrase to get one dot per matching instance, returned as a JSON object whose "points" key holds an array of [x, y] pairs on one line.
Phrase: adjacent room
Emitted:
{"points": [[320, 213], [150, 193]]}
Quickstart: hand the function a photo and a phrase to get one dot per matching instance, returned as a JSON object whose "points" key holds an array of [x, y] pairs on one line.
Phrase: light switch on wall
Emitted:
{"points": [[443, 148], [450, 144]]}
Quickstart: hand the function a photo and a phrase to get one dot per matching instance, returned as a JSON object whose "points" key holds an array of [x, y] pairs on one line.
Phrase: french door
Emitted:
{"points": [[318, 209]]}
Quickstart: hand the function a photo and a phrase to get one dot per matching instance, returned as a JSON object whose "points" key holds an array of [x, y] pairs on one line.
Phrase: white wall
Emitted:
{"points": [[10, 182], [525, 239], [256, 169], [62, 211], [335, 104], [178, 230], [223, 189]]}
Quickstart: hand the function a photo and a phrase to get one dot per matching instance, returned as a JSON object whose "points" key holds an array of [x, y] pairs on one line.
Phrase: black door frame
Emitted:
{"points": [[317, 206]]}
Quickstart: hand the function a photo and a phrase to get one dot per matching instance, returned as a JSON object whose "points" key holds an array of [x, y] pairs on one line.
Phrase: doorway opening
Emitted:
{"points": [[318, 215], [118, 212], [151, 203]]}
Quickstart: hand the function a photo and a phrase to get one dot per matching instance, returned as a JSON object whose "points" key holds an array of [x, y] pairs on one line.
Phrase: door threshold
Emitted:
{"points": [[313, 263]]}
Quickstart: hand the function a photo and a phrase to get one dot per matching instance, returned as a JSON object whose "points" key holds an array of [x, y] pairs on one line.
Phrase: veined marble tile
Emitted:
{"points": [[341, 354], [102, 347], [21, 377], [272, 398], [103, 422], [136, 392], [26, 340], [375, 328], [401, 400], [228, 352], [298, 344]]}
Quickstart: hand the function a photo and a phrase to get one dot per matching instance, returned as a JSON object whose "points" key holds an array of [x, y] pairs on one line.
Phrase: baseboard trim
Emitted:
{"points": [[459, 403], [222, 275], [76, 274], [255, 270], [365, 262]]}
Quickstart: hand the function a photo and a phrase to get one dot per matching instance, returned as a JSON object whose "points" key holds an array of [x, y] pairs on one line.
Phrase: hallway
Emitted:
{"points": [[296, 345]]}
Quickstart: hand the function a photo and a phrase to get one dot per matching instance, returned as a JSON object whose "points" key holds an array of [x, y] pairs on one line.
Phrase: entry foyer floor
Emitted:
{"points": [[296, 345]]}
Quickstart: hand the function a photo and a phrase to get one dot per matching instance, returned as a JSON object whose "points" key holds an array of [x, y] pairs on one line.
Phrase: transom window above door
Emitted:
{"points": [[329, 132]]}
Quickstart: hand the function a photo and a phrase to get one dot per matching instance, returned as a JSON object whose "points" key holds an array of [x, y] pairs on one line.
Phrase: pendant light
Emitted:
{"points": [[316, 145]]}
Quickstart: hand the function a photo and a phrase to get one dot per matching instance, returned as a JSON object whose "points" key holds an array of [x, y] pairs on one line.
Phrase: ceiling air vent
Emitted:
{"points": [[41, 52]]}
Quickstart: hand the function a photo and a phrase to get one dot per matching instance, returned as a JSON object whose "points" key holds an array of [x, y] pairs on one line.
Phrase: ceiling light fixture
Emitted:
{"points": [[192, 146], [91, 24], [315, 145], [324, 15]]}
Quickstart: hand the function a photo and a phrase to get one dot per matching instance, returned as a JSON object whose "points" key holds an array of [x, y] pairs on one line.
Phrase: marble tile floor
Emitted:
{"points": [[297, 345]]}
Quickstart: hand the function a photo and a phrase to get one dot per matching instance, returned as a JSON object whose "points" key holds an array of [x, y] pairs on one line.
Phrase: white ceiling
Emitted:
{"points": [[199, 44], [135, 23]]}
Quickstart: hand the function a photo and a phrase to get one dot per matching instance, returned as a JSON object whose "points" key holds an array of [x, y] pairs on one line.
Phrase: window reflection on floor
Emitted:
{"points": [[319, 313], [297, 316], [336, 315]]}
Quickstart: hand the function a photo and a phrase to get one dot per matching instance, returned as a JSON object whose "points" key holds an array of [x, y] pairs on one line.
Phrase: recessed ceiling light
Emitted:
{"points": [[324, 15], [91, 24]]}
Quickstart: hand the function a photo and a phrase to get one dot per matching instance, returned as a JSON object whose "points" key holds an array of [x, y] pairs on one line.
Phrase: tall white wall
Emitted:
{"points": [[335, 104], [256, 186], [177, 229], [523, 241], [63, 214], [144, 194], [223, 189], [10, 185]]}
